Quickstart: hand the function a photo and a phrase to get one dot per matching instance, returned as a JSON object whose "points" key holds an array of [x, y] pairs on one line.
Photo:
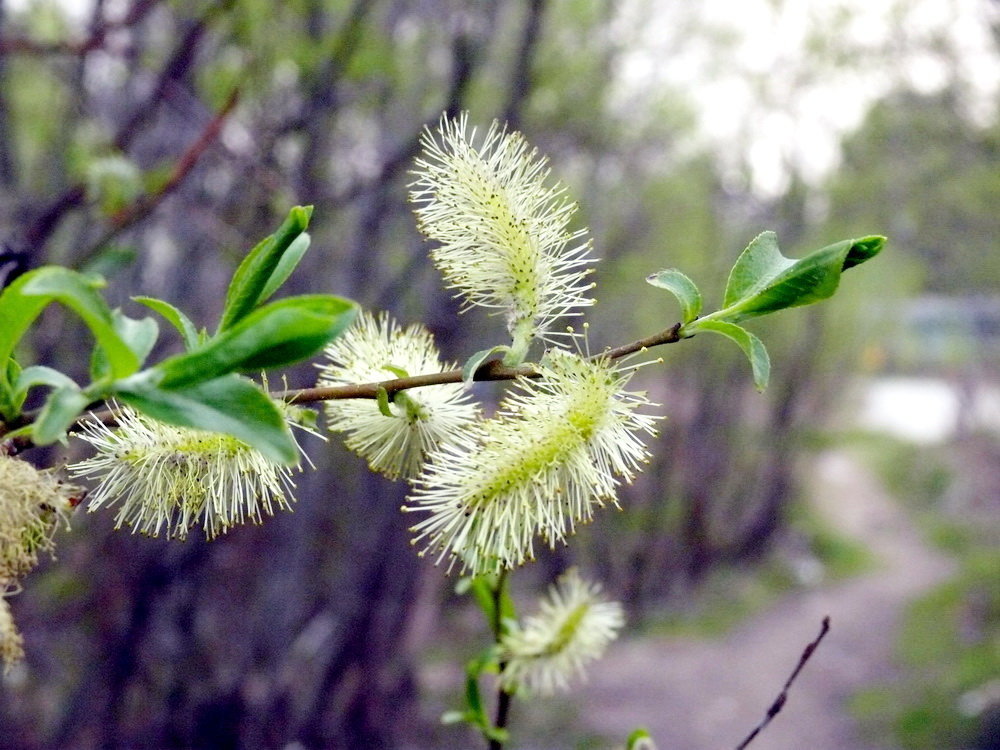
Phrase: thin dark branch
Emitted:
{"points": [[177, 65], [779, 702], [95, 40], [493, 370], [145, 204], [521, 78], [504, 696]]}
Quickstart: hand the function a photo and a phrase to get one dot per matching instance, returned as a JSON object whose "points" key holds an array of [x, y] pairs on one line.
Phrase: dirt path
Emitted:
{"points": [[706, 695]]}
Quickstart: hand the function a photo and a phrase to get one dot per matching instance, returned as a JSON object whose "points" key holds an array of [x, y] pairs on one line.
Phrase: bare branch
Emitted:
{"points": [[145, 204], [779, 702]]}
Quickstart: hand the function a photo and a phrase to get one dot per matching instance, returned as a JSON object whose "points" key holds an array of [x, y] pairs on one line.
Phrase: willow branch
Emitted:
{"points": [[490, 371], [779, 702]]}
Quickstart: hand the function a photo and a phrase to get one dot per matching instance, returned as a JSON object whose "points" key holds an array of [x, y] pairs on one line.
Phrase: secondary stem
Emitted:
{"points": [[503, 697], [493, 370]]}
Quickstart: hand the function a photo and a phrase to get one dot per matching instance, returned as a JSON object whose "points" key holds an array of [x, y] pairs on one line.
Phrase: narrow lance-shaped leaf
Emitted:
{"points": [[682, 288], [273, 336], [252, 282], [139, 334], [175, 317], [22, 301], [60, 410], [37, 375], [229, 404]]}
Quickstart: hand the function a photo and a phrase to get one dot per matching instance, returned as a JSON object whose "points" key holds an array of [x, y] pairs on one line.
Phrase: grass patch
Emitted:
{"points": [[948, 649], [840, 556], [727, 597]]}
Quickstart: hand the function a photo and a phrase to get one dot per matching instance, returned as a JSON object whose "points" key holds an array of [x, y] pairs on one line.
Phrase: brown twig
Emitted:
{"points": [[490, 371], [145, 204], [779, 702], [95, 40]]}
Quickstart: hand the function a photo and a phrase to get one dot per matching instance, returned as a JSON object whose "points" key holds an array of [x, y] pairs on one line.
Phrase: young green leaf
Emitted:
{"points": [[29, 377], [252, 282], [140, 335], [175, 317], [23, 300], [639, 739], [286, 264], [60, 410], [478, 359], [273, 336], [10, 402], [228, 404], [764, 281], [682, 288], [752, 346]]}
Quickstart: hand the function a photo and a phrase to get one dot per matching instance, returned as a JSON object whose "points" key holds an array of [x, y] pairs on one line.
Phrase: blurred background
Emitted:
{"points": [[155, 141]]}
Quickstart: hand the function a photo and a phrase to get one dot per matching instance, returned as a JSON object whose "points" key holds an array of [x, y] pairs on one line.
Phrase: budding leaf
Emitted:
{"points": [[228, 404], [638, 739], [752, 346], [60, 410], [764, 281], [265, 268], [272, 336], [175, 317], [682, 288], [22, 301], [29, 377], [139, 335], [480, 358]]}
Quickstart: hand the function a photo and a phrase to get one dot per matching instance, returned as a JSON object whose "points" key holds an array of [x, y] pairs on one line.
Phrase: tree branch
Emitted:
{"points": [[95, 40], [145, 204], [779, 702], [490, 371]]}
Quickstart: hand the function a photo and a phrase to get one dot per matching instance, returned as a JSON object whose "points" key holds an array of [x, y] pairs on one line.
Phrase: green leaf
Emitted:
{"points": [[253, 276], [175, 317], [273, 336], [10, 402], [764, 281], [752, 346], [228, 404], [41, 375], [636, 736], [478, 359], [382, 399], [140, 335], [286, 264], [473, 698], [23, 300], [682, 288], [760, 261], [61, 409]]}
